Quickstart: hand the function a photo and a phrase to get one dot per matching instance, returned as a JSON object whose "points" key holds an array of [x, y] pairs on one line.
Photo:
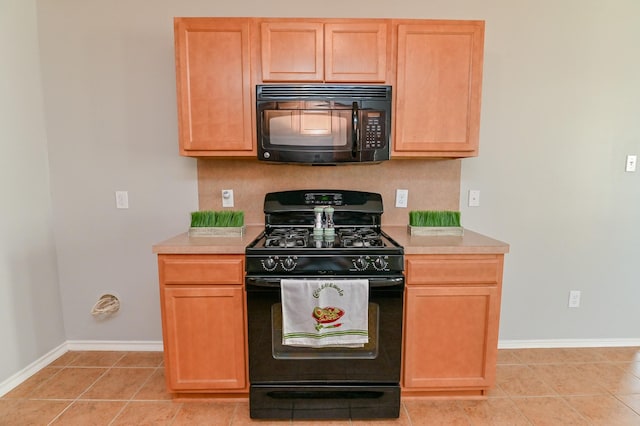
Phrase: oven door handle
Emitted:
{"points": [[373, 281]]}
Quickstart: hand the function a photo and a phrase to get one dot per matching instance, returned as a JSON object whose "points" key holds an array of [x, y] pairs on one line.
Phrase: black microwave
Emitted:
{"points": [[323, 124]]}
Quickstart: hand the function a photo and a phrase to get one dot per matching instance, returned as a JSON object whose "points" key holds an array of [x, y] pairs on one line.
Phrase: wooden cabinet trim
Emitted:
{"points": [[452, 316], [447, 270], [438, 110], [363, 58], [303, 44], [213, 77], [330, 50], [203, 269], [451, 337], [204, 338]]}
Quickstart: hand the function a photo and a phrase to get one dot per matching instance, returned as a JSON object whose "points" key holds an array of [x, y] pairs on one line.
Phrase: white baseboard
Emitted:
{"points": [[32, 369], [567, 343], [114, 345], [109, 345]]}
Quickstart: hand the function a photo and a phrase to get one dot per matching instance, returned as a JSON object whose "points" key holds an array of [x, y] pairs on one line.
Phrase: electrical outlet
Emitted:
{"points": [[122, 200], [474, 197], [574, 299], [227, 198], [631, 163], [402, 197]]}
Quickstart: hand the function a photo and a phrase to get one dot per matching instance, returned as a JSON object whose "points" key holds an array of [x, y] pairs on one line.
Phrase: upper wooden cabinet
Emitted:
{"points": [[215, 101], [317, 51], [438, 88], [435, 68]]}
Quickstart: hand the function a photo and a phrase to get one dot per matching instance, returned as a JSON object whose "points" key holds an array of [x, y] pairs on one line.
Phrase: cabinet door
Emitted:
{"points": [[204, 338], [451, 336], [292, 51], [356, 52], [214, 87], [438, 90], [324, 51]]}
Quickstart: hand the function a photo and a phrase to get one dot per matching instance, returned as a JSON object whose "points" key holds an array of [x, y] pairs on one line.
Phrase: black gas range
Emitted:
{"points": [[329, 239], [350, 242]]}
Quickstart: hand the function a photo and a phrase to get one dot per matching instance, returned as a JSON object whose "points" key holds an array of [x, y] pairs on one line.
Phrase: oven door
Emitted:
{"points": [[284, 377]]}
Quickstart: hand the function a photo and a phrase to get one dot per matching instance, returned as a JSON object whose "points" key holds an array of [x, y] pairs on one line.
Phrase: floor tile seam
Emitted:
{"points": [[103, 400], [610, 394], [560, 397], [566, 363], [61, 412], [49, 399], [144, 383], [175, 415], [536, 375], [124, 406], [513, 403], [110, 367], [460, 408], [406, 412], [44, 382], [636, 411], [233, 415], [106, 370], [596, 382]]}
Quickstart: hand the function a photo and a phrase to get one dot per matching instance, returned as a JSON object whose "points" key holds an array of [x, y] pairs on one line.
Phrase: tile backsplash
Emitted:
{"points": [[432, 184]]}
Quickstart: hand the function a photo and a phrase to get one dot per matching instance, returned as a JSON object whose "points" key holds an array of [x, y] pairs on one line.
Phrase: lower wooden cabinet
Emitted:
{"points": [[203, 321], [452, 312]]}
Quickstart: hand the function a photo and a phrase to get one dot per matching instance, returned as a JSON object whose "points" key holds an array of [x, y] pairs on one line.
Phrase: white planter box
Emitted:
{"points": [[217, 231], [435, 230]]}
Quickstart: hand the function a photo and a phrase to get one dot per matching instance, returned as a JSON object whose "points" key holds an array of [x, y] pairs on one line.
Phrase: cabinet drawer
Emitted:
{"points": [[200, 269], [454, 269]]}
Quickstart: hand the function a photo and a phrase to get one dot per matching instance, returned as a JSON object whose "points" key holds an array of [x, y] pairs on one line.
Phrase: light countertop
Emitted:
{"points": [[469, 243]]}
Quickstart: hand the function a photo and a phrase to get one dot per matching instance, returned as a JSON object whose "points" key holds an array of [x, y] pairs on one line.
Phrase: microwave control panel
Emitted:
{"points": [[374, 130]]}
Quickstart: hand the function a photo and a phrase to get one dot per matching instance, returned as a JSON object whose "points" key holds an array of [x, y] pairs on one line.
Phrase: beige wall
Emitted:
{"points": [[560, 108], [30, 307], [432, 184]]}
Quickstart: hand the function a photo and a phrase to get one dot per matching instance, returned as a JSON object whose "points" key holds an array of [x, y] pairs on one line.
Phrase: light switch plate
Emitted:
{"points": [[227, 198], [474, 197], [402, 198], [122, 200], [632, 161]]}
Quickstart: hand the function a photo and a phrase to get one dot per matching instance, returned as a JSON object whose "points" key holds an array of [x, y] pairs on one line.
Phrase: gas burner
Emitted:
{"points": [[360, 237], [291, 245], [287, 237]]}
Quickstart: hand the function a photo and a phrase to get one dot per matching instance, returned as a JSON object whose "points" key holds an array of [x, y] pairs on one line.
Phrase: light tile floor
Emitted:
{"points": [[579, 386]]}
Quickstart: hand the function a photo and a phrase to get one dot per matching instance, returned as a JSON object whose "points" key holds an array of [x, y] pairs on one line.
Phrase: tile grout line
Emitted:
{"points": [[132, 398], [77, 398]]}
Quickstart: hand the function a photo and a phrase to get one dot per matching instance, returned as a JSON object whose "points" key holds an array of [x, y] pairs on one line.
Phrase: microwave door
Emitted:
{"points": [[308, 129]]}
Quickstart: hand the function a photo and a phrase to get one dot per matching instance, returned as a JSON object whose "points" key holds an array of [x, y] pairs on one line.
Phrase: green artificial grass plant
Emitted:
{"points": [[434, 218], [222, 219]]}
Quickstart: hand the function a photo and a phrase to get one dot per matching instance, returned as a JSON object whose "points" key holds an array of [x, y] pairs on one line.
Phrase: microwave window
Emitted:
{"points": [[313, 128]]}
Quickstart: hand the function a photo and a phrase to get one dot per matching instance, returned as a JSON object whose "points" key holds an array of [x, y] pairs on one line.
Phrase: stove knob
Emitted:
{"points": [[379, 264], [288, 264], [360, 263], [269, 264]]}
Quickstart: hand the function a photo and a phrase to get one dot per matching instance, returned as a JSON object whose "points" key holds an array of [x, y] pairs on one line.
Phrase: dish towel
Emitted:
{"points": [[321, 313]]}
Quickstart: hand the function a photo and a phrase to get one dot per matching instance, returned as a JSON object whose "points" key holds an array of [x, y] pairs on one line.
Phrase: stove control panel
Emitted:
{"points": [[300, 264], [273, 263], [379, 263]]}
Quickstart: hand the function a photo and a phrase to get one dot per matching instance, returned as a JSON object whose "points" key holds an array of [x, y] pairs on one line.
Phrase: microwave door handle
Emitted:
{"points": [[354, 132]]}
